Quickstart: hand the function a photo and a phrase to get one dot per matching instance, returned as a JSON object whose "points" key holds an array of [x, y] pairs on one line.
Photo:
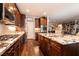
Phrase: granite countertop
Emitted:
{"points": [[62, 39], [10, 43], [9, 30]]}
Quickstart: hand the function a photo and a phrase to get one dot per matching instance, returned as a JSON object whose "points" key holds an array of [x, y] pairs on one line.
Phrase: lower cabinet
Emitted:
{"points": [[13, 50], [16, 48], [36, 36], [49, 47], [41, 44], [44, 44], [53, 48], [9, 52]]}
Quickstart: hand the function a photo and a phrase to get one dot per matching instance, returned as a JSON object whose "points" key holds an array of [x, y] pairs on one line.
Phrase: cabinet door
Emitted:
{"points": [[37, 23], [41, 43], [36, 36], [39, 38], [22, 20], [46, 46], [43, 21], [21, 43], [77, 49], [9, 52], [55, 49], [71, 50], [16, 48]]}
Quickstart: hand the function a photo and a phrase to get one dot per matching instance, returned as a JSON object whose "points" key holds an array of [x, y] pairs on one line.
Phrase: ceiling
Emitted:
{"points": [[57, 12]]}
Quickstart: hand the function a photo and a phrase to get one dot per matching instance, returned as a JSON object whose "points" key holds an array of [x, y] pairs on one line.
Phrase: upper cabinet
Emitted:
{"points": [[37, 23], [40, 21], [11, 13], [43, 20], [18, 17], [41, 24]]}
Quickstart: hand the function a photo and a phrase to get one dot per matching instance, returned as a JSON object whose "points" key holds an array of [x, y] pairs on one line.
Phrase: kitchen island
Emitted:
{"points": [[58, 45], [11, 40]]}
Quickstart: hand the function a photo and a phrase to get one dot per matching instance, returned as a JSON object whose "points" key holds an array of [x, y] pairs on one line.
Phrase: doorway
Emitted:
{"points": [[30, 27]]}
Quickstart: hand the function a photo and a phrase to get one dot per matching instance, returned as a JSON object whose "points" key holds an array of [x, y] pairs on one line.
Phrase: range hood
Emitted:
{"points": [[9, 15]]}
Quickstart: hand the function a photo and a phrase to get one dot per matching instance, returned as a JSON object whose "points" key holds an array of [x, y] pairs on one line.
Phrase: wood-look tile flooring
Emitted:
{"points": [[31, 48]]}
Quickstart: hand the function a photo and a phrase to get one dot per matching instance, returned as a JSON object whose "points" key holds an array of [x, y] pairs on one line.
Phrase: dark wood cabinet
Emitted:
{"points": [[19, 18], [40, 21], [43, 20], [13, 50], [9, 52], [71, 50], [22, 21], [36, 36], [49, 48], [41, 43], [21, 44], [53, 48], [44, 44], [37, 23], [16, 48]]}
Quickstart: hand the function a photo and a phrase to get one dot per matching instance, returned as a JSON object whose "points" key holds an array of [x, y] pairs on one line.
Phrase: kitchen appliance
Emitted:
{"points": [[8, 14], [8, 37], [44, 28], [9, 17]]}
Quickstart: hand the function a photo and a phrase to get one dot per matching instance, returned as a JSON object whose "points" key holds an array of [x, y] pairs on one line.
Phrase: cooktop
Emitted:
{"points": [[8, 37]]}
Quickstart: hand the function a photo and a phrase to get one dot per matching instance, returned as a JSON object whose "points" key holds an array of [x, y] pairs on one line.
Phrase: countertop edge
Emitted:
{"points": [[6, 48]]}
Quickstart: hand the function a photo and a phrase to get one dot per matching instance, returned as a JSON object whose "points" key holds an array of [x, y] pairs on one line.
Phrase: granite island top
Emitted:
{"points": [[9, 30], [62, 39]]}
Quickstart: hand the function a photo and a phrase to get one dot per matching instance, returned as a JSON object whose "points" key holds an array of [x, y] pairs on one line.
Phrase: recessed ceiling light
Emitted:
{"points": [[44, 13], [27, 10]]}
